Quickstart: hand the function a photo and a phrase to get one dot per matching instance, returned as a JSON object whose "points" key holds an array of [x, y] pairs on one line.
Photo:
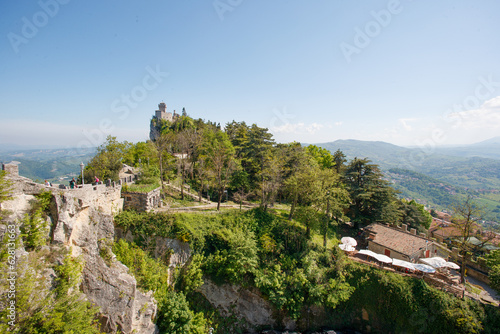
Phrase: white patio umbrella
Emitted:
{"points": [[349, 241], [424, 268], [403, 264], [367, 252], [378, 257], [436, 262], [451, 265], [347, 248], [383, 258]]}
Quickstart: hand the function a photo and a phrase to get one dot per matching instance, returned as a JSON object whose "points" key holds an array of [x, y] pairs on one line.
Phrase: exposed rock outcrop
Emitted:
{"points": [[247, 305]]}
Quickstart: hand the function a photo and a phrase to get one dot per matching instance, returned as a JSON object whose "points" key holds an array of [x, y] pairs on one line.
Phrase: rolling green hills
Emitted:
{"points": [[432, 177], [55, 165]]}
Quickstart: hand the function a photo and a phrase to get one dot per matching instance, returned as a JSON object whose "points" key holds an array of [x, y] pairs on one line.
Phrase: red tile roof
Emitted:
{"points": [[397, 240]]}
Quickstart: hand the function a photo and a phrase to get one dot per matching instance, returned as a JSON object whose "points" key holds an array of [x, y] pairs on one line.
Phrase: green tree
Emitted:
{"points": [[34, 230], [302, 187], [218, 153], [183, 148], [231, 254], [339, 159], [270, 177], [300, 171], [466, 215], [322, 156], [161, 145], [333, 199], [175, 316], [5, 195], [192, 277], [415, 215], [369, 192], [107, 163], [240, 185], [493, 261], [144, 152], [252, 145]]}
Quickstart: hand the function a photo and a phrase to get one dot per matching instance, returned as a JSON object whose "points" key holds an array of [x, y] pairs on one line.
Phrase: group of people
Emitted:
{"points": [[72, 183]]}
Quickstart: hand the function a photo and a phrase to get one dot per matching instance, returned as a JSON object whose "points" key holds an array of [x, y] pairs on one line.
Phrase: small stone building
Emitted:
{"points": [[141, 201], [399, 243]]}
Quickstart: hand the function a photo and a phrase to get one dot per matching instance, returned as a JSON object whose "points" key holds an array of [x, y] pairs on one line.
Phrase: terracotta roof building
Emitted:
{"points": [[443, 231], [398, 243]]}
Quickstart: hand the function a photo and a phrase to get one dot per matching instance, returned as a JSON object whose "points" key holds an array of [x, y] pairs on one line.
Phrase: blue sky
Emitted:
{"points": [[413, 73]]}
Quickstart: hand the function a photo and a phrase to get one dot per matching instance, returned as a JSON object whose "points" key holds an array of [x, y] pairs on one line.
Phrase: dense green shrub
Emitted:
{"points": [[34, 227], [396, 303], [231, 255]]}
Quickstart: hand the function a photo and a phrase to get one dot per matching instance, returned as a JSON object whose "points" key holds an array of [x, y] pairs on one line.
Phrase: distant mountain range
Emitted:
{"points": [[52, 164], [435, 176], [456, 165]]}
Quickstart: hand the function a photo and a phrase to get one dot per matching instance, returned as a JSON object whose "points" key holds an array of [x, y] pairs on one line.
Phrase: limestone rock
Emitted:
{"points": [[248, 305]]}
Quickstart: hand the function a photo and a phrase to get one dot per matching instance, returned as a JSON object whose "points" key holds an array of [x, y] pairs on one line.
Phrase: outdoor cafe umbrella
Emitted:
{"points": [[403, 264], [347, 248], [383, 258], [367, 252], [436, 262], [349, 241], [451, 265], [378, 257], [424, 268]]}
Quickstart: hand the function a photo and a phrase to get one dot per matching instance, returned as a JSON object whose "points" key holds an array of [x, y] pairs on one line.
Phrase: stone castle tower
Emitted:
{"points": [[160, 114]]}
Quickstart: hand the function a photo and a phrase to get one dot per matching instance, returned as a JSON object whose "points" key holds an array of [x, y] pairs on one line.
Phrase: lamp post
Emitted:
{"points": [[81, 168]]}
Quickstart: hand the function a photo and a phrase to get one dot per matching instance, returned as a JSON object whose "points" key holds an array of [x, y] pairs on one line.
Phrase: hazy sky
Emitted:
{"points": [[405, 72]]}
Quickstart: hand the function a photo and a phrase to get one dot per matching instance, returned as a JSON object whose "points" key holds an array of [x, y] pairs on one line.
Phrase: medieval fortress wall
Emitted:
{"points": [[105, 197]]}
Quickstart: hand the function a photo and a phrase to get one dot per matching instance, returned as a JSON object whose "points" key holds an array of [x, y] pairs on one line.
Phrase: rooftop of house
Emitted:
{"points": [[444, 216], [443, 229], [396, 239]]}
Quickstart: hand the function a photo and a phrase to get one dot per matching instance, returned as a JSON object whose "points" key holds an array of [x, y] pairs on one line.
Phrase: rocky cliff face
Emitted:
{"points": [[245, 304], [82, 219]]}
